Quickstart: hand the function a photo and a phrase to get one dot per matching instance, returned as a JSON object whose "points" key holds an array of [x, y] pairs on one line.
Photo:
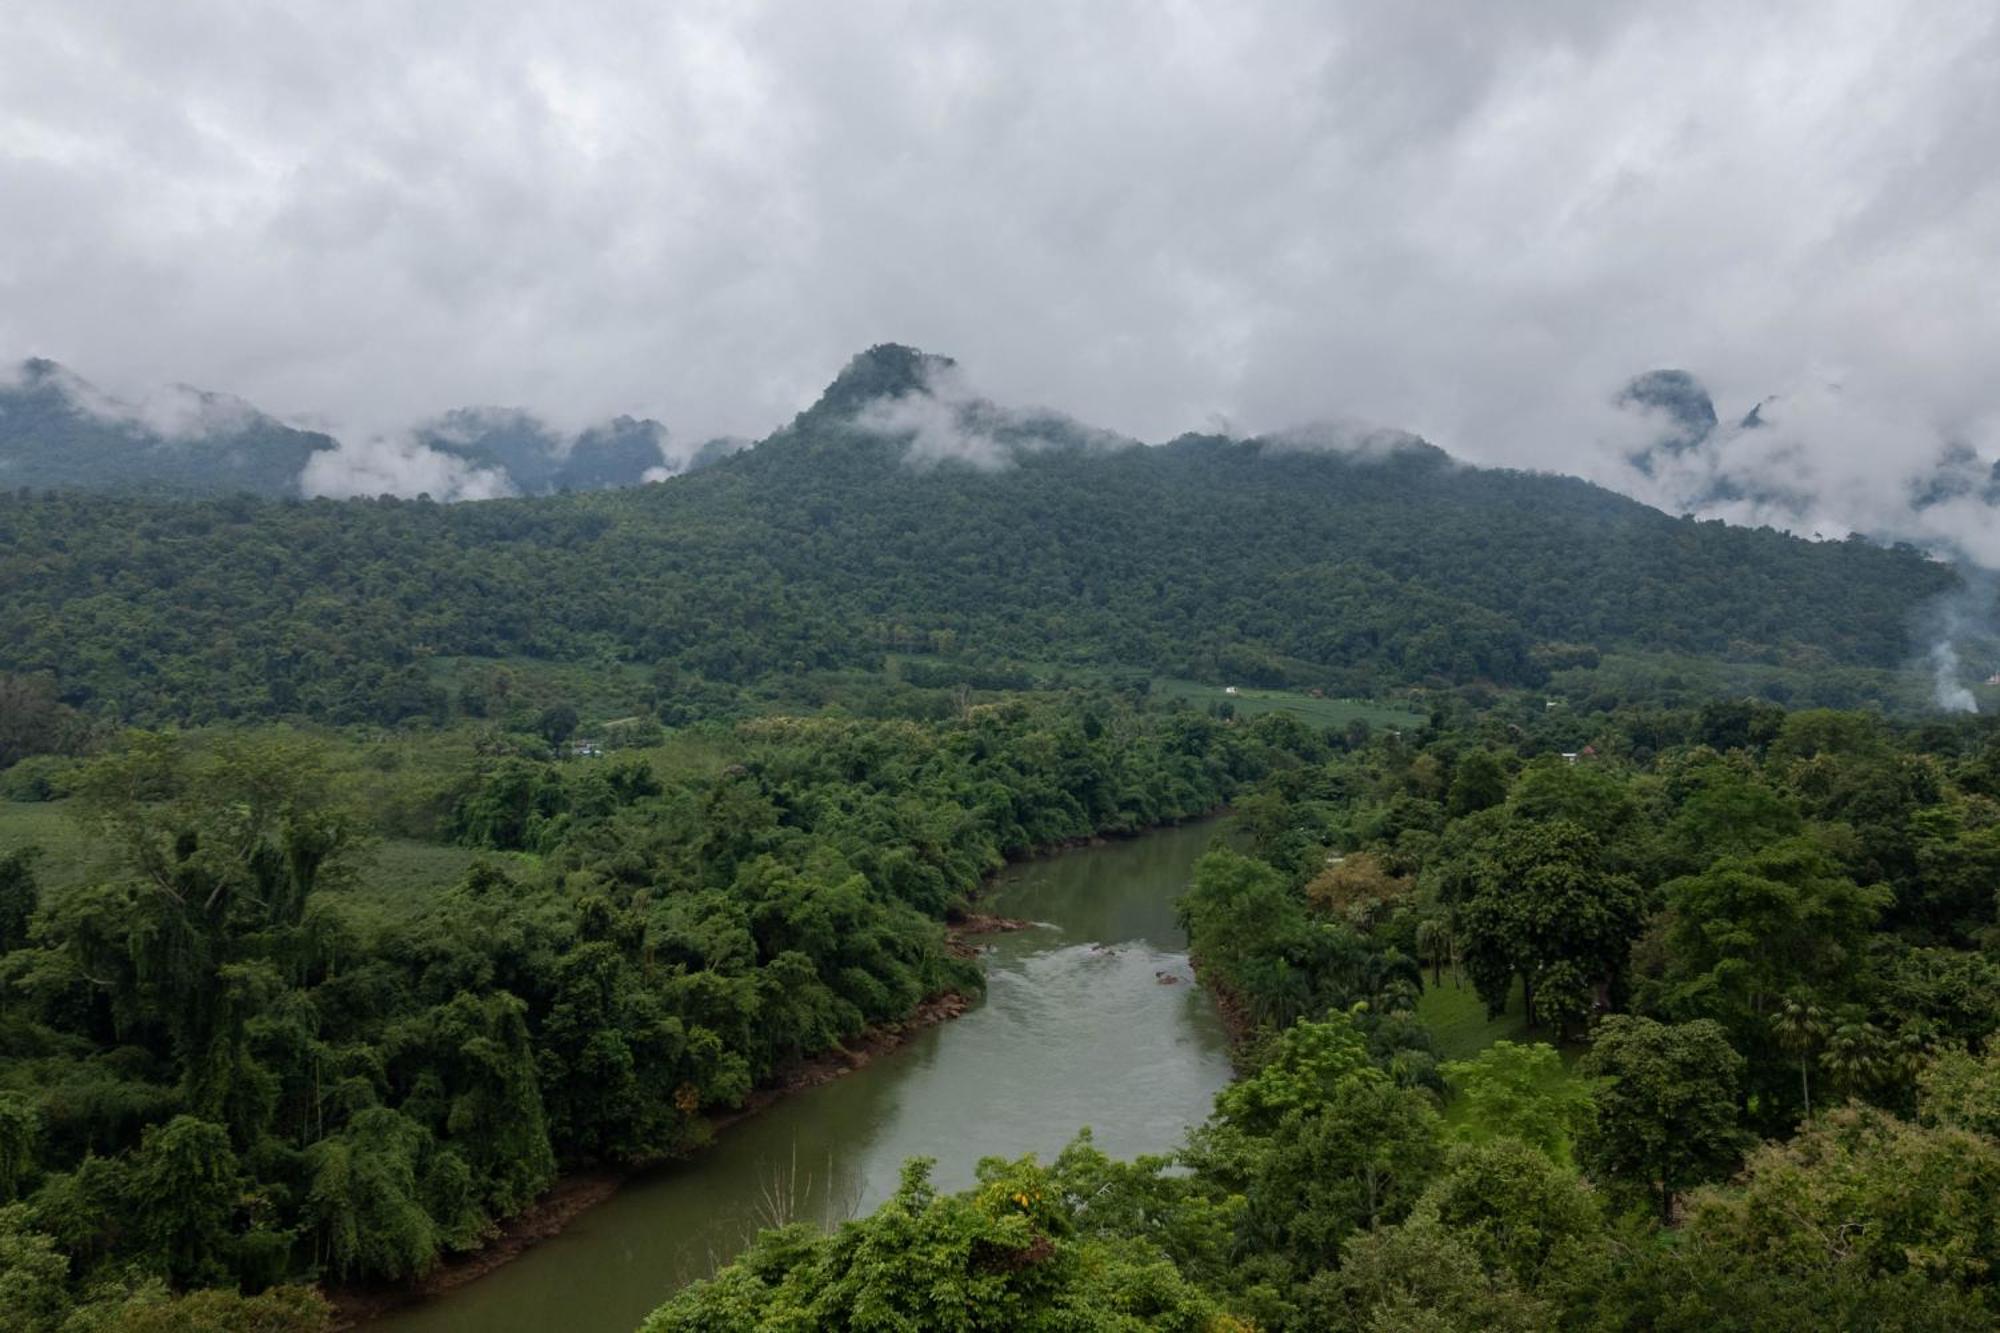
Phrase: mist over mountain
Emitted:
{"points": [[538, 459], [1762, 462], [1683, 406], [1767, 463], [58, 431], [905, 512]]}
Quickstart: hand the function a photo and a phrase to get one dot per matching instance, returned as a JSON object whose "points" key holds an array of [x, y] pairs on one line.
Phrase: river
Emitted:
{"points": [[1076, 1029]]}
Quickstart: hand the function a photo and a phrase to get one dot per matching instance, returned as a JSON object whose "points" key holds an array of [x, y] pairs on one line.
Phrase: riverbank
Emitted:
{"points": [[563, 1202], [572, 1196], [1229, 1005]]}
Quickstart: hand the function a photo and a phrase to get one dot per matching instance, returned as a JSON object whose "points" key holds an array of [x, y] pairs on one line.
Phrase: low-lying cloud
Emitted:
{"points": [[1359, 438], [1470, 220], [176, 412], [399, 465], [1826, 458], [947, 421]]}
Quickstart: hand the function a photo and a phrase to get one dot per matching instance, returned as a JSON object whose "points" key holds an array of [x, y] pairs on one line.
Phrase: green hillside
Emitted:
{"points": [[58, 432], [1266, 563]]}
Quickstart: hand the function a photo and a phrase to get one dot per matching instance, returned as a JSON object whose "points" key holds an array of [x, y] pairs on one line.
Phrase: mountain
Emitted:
{"points": [[1959, 474], [1690, 455], [58, 431], [539, 460], [1681, 405], [900, 514], [1813, 458]]}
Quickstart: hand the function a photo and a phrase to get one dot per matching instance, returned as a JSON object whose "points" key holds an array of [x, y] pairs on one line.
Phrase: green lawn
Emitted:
{"points": [[65, 845], [1457, 1020], [399, 875], [1251, 702]]}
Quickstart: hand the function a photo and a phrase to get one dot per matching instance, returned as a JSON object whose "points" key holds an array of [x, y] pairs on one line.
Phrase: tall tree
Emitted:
{"points": [[1546, 907], [1667, 1111], [1754, 928]]}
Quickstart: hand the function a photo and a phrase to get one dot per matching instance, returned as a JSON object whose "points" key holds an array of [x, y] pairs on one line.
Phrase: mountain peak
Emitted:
{"points": [[886, 370], [1681, 397], [40, 373]]}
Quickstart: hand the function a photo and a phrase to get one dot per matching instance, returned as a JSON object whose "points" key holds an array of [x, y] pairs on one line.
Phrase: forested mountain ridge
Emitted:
{"points": [[59, 432], [538, 459], [899, 514]]}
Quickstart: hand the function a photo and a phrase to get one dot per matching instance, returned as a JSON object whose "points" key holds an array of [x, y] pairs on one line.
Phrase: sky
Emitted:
{"points": [[1470, 220]]}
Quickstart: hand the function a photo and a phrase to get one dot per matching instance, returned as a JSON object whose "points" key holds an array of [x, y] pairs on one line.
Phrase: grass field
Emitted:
{"points": [[1456, 1017], [1676, 680], [401, 876], [1459, 1027], [398, 875], [1251, 702], [65, 845]]}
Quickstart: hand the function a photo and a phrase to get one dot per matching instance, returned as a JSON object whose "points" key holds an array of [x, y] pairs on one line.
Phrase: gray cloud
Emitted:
{"points": [[1826, 458], [1471, 220]]}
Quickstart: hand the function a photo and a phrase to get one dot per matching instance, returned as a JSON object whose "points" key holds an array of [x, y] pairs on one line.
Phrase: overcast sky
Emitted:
{"points": [[1471, 220]]}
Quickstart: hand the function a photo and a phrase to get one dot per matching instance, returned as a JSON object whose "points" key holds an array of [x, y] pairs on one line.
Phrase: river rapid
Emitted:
{"points": [[1080, 1026]]}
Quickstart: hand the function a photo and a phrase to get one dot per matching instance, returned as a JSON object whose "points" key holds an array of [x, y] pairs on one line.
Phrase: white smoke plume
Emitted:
{"points": [[1947, 690], [1962, 630]]}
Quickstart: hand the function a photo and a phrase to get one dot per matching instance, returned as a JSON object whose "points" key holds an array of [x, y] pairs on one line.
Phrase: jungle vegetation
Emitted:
{"points": [[1278, 561], [1758, 950], [227, 1065], [714, 762]]}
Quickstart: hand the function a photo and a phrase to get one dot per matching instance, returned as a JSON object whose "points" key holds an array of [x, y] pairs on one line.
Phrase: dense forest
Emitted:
{"points": [[1755, 948], [59, 432], [226, 1065], [365, 867], [1273, 561]]}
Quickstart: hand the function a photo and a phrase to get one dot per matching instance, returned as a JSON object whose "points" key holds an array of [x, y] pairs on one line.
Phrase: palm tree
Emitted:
{"points": [[1912, 1048], [1281, 995], [1800, 1027], [1855, 1056], [1434, 945]]}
